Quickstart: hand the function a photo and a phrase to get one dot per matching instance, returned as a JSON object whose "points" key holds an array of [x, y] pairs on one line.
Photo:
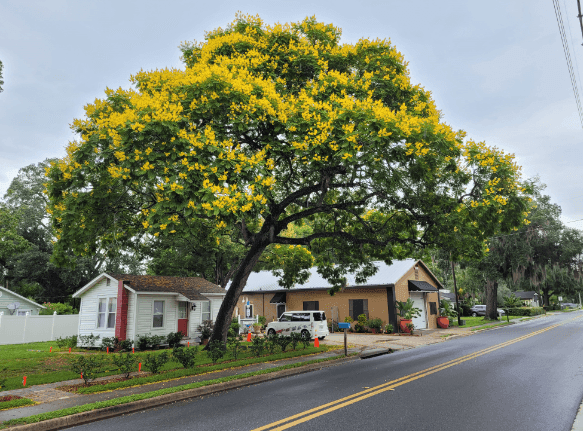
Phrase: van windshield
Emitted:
{"points": [[319, 317]]}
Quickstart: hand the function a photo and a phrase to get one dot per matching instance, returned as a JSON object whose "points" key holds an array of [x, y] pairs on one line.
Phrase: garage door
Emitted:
{"points": [[419, 302]]}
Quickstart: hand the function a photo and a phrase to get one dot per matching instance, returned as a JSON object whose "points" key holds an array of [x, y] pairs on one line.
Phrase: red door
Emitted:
{"points": [[183, 318]]}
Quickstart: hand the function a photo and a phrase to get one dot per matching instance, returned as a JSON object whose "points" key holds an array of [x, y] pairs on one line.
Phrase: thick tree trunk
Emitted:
{"points": [[546, 295], [223, 320], [492, 300]]}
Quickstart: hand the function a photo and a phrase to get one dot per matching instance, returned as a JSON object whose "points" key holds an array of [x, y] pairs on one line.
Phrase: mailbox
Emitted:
{"points": [[343, 325]]}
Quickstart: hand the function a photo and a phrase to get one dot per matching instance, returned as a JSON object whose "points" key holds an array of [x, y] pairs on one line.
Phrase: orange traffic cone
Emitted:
{"points": [[248, 336], [316, 342]]}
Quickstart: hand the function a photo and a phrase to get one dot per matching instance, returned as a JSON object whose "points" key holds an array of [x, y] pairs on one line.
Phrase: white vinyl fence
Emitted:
{"points": [[30, 329]]}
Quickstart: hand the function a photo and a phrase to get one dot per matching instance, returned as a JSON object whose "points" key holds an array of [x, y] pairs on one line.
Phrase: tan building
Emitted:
{"points": [[376, 298]]}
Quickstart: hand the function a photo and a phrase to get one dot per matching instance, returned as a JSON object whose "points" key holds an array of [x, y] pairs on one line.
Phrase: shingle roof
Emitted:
{"points": [[265, 281], [526, 295], [192, 288]]}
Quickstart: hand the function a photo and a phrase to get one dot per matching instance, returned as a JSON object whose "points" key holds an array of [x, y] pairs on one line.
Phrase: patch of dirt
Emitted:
{"points": [[74, 388], [9, 398]]}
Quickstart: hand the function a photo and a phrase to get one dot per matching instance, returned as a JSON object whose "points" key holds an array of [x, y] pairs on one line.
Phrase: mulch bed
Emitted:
{"points": [[74, 388], [9, 398]]}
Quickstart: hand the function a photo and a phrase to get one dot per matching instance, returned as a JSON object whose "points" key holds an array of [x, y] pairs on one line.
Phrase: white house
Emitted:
{"points": [[13, 304], [127, 306]]}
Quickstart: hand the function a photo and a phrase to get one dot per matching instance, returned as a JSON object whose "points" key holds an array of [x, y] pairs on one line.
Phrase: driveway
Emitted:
{"points": [[397, 342]]}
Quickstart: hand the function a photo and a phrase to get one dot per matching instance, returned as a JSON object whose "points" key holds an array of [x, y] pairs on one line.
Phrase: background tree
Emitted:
{"points": [[29, 269], [272, 125]]}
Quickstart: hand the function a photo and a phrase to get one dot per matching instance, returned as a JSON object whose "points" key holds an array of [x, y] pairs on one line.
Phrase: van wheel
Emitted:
{"points": [[474, 314], [321, 338], [271, 332], [306, 334]]}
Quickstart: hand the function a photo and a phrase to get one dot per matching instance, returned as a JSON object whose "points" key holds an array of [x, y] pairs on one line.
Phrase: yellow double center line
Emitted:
{"points": [[299, 418]]}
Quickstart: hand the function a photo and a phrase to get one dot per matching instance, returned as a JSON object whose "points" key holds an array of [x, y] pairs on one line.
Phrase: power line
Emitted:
{"points": [[559, 17]]}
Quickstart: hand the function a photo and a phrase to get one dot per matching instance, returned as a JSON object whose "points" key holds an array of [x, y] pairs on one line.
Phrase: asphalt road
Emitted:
{"points": [[527, 376]]}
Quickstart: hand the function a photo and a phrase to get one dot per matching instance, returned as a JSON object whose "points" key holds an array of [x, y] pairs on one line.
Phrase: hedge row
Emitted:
{"points": [[524, 311]]}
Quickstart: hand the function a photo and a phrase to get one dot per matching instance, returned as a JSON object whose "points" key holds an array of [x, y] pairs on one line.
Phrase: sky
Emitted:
{"points": [[496, 69]]}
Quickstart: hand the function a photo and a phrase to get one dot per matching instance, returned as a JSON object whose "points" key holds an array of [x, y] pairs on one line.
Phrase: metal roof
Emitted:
{"points": [[265, 281]]}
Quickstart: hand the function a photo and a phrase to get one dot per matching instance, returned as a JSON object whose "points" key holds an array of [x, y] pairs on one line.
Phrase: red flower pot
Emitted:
{"points": [[403, 325], [443, 322]]}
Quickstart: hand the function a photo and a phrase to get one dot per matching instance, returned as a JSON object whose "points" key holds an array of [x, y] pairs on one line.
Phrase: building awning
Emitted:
{"points": [[278, 298], [420, 286]]}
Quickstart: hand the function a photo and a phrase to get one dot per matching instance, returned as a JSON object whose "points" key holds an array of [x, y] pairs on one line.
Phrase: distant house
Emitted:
{"points": [[529, 299], [13, 304], [126, 306], [376, 298]]}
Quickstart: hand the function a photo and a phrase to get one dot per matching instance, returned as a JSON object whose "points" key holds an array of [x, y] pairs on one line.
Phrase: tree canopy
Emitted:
{"points": [[271, 125]]}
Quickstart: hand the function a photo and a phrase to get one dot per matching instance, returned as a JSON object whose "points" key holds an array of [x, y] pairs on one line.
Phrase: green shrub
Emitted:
{"points": [[411, 327], [257, 345], [389, 328], [174, 338], [234, 329], [3, 377], [284, 341], [185, 355], [157, 340], [215, 350], [524, 311], [375, 323], [296, 338], [86, 365], [271, 342], [110, 342], [262, 320], [206, 329], [234, 345], [88, 340], [125, 345], [144, 342], [348, 319], [70, 341], [155, 362], [362, 320], [126, 363], [306, 339], [512, 301], [59, 307]]}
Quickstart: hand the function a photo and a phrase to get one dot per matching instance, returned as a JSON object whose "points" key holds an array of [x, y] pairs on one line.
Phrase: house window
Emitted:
{"points": [[158, 319], [206, 310], [357, 307], [107, 281], [106, 309], [311, 305], [111, 309], [432, 308]]}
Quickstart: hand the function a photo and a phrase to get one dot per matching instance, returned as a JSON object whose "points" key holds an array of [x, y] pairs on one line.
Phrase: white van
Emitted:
{"points": [[312, 323]]}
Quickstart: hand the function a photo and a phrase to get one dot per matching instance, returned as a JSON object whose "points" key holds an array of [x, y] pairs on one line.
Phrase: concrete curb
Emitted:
{"points": [[131, 407]]}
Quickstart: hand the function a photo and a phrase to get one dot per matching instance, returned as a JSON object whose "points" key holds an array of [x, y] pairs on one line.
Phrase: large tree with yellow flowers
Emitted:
{"points": [[269, 127]]}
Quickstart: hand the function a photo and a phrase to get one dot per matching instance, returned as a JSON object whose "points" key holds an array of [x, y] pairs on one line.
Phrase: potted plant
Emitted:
{"points": [[446, 313], [206, 329], [388, 328], [407, 310], [375, 325], [257, 328]]}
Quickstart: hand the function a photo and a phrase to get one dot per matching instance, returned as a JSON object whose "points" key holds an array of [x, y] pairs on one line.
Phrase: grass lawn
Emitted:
{"points": [[34, 361], [479, 320]]}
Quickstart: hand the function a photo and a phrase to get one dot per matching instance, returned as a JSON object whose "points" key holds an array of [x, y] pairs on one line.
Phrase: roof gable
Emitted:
{"points": [[22, 298]]}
